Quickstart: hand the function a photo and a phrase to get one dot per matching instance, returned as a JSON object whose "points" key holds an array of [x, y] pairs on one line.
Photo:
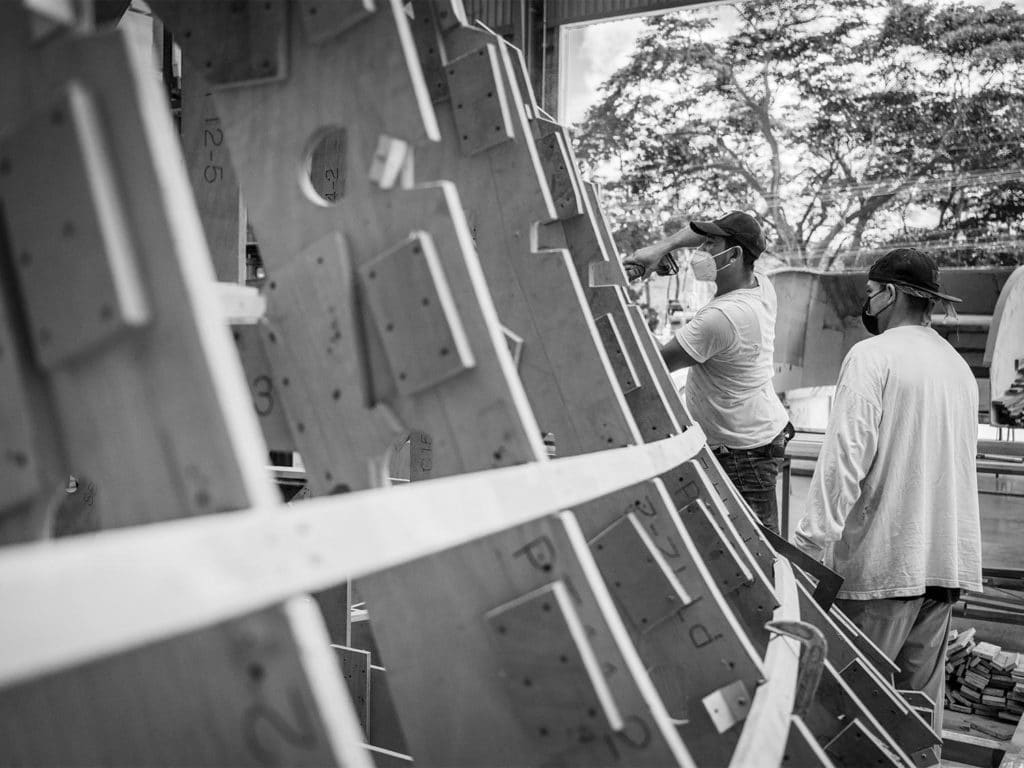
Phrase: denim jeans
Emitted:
{"points": [[755, 472]]}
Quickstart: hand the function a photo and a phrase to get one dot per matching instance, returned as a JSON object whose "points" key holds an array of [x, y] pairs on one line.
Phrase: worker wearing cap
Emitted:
{"points": [[893, 504], [729, 344]]}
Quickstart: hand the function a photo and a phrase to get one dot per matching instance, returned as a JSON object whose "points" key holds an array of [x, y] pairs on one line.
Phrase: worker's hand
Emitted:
{"points": [[643, 261]]}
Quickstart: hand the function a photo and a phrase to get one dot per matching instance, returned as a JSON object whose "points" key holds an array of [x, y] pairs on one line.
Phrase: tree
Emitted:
{"points": [[844, 124]]}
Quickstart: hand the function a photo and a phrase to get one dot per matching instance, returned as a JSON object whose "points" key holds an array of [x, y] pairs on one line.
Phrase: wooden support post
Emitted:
{"points": [[213, 178], [124, 329], [413, 264]]}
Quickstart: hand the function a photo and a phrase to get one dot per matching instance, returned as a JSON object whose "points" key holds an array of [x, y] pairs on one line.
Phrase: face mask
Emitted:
{"points": [[705, 266], [871, 320]]}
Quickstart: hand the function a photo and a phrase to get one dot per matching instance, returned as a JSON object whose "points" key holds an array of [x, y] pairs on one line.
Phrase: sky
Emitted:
{"points": [[591, 53]]}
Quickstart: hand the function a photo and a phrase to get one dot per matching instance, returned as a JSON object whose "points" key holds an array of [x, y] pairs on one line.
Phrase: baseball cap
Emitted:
{"points": [[737, 225], [910, 268]]}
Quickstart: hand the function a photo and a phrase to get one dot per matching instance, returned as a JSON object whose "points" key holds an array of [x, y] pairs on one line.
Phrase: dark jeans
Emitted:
{"points": [[754, 472]]}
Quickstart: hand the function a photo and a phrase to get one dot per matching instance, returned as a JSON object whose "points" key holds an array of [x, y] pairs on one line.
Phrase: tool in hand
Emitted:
{"points": [[667, 266]]}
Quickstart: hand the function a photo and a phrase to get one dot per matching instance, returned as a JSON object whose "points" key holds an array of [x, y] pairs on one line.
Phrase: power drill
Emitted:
{"points": [[667, 266]]}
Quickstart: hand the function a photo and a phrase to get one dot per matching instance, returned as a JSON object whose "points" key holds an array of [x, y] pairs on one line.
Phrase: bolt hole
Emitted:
{"points": [[546, 607], [336, 394], [444, 351], [301, 427], [401, 376], [286, 381], [273, 337], [256, 672], [106, 312]]}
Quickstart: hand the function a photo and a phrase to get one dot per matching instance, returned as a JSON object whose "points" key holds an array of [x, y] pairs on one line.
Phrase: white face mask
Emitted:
{"points": [[705, 265]]}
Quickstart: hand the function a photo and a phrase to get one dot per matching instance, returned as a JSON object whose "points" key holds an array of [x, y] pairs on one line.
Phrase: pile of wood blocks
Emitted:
{"points": [[983, 679]]}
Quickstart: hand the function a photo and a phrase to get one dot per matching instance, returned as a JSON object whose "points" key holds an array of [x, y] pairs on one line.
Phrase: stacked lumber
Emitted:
{"points": [[983, 679]]}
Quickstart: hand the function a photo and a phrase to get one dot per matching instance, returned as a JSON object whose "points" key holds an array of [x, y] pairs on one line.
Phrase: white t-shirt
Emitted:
{"points": [[893, 505], [730, 392]]}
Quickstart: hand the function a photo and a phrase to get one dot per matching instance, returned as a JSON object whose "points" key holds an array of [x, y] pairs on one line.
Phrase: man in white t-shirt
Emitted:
{"points": [[893, 505], [729, 345]]}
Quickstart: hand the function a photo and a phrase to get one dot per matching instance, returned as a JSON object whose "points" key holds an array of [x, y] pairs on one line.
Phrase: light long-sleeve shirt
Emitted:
{"points": [[893, 504]]}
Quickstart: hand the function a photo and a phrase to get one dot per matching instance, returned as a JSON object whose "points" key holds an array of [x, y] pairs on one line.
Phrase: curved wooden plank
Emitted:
{"points": [[256, 558], [763, 741], [1004, 354]]}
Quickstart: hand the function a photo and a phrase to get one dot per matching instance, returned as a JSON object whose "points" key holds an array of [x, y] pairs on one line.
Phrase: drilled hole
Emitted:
{"points": [[325, 164]]}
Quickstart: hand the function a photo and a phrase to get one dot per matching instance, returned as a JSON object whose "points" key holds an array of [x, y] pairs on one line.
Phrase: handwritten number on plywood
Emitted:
{"points": [[265, 729], [263, 395]]}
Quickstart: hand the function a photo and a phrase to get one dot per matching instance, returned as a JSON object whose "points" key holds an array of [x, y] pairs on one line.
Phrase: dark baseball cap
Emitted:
{"points": [[736, 225], [910, 268]]}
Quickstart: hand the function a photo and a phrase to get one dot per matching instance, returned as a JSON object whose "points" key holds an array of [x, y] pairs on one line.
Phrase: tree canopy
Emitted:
{"points": [[846, 125]]}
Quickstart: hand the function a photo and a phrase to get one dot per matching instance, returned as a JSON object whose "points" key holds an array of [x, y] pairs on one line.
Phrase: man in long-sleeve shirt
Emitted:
{"points": [[893, 505]]}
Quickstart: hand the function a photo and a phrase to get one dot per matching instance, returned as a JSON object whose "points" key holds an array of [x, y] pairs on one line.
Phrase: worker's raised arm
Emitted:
{"points": [[650, 256], [847, 453]]}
